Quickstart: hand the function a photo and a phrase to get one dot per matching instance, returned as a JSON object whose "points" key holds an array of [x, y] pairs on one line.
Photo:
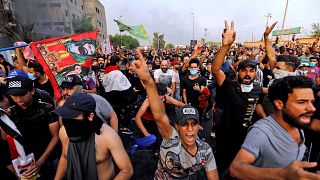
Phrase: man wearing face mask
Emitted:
{"points": [[89, 146], [193, 85], [35, 73], [240, 99], [165, 75], [313, 69]]}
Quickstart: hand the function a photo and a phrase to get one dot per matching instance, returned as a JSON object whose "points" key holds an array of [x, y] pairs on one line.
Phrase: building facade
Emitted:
{"points": [[95, 9], [52, 18]]}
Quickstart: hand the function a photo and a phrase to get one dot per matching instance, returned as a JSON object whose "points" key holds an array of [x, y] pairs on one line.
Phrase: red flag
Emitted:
{"points": [[61, 55]]}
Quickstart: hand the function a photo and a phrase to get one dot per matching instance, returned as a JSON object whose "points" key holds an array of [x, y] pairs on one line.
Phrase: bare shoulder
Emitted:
{"points": [[107, 133]]}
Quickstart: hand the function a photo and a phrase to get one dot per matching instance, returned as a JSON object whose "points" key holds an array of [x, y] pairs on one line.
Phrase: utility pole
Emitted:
{"points": [[192, 25], [284, 19], [268, 16], [205, 33]]}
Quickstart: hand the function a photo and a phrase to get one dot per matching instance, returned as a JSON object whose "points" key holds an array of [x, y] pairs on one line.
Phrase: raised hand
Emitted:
{"points": [[228, 35], [269, 30], [295, 170], [140, 67]]}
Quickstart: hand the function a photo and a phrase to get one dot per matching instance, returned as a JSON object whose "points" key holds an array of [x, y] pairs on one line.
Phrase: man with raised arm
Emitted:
{"points": [[182, 154], [240, 99]]}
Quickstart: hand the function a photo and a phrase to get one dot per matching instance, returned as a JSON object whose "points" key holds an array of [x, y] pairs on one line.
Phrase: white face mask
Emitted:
{"points": [[246, 88], [301, 72], [280, 73]]}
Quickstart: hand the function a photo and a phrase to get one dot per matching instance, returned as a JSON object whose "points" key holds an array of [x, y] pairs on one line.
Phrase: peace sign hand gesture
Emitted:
{"points": [[228, 35], [269, 30]]}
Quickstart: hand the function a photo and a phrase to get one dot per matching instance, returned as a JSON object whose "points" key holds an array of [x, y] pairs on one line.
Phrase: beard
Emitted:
{"points": [[294, 120], [241, 81]]}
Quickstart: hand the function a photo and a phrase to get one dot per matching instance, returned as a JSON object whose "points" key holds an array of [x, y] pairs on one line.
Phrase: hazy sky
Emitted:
{"points": [[174, 19]]}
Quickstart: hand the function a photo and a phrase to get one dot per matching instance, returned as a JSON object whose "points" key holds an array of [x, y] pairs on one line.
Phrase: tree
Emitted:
{"points": [[19, 32], [82, 25], [315, 30], [209, 43], [169, 46], [158, 40], [127, 41]]}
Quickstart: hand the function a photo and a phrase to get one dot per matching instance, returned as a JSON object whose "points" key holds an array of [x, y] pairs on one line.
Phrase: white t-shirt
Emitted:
{"points": [[165, 78]]}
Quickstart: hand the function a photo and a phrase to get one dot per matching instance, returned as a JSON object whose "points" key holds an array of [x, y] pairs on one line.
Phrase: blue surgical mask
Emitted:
{"points": [[193, 72], [312, 64], [31, 76]]}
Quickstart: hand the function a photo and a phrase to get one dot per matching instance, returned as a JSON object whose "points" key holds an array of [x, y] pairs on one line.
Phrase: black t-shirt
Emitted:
{"points": [[33, 124], [47, 86], [238, 109], [193, 95]]}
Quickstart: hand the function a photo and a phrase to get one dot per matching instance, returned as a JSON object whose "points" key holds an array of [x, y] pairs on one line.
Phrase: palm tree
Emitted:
{"points": [[315, 30], [82, 25]]}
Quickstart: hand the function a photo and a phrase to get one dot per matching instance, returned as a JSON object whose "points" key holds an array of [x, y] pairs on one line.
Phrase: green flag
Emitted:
{"points": [[137, 31]]}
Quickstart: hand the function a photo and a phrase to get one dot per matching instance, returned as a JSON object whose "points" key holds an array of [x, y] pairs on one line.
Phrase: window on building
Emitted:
{"points": [[67, 13], [55, 5], [58, 23], [42, 4], [82, 7], [46, 24], [73, 16]]}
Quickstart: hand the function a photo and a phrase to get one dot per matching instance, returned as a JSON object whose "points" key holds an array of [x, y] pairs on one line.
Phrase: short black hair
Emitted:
{"points": [[281, 88], [290, 60], [114, 59], [161, 88], [36, 67], [194, 60], [1, 56]]}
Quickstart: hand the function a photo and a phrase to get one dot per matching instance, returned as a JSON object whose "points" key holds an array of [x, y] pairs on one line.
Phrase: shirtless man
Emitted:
{"points": [[88, 144]]}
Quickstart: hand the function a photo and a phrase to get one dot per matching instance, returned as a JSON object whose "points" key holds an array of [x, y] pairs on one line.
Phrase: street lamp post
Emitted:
{"points": [[205, 33], [268, 16], [158, 41], [120, 34], [192, 25]]}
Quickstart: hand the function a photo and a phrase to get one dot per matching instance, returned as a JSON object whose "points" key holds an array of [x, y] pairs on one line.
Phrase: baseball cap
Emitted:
{"points": [[17, 72], [187, 112], [18, 85], [245, 63], [175, 62], [70, 81], [75, 105], [304, 64]]}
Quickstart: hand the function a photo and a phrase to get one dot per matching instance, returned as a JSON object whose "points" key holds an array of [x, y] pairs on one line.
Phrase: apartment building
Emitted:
{"points": [[53, 18]]}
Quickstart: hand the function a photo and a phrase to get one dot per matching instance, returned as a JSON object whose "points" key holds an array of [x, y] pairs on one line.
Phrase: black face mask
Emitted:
{"points": [[81, 128], [164, 70]]}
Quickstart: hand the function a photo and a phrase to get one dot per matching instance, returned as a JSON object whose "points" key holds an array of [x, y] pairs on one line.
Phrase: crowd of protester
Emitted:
{"points": [[263, 102]]}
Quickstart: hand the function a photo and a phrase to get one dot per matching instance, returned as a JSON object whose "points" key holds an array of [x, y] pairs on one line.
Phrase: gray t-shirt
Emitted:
{"points": [[103, 108], [271, 144], [176, 163]]}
